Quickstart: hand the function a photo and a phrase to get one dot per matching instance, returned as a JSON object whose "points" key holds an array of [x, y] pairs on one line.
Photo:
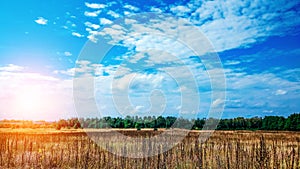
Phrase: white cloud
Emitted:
{"points": [[67, 53], [255, 93], [232, 62], [84, 67], [127, 13], [158, 10], [95, 5], [77, 34], [227, 25], [69, 72], [139, 108], [41, 21], [280, 92], [92, 35], [139, 86], [132, 8], [233, 24], [268, 111], [91, 25], [105, 21], [217, 102], [113, 14], [92, 14], [180, 10], [11, 68]]}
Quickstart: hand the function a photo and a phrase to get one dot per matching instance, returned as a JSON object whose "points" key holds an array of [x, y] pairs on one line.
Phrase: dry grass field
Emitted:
{"points": [[50, 148]]}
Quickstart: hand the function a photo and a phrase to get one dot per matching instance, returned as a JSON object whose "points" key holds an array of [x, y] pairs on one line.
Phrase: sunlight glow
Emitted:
{"points": [[29, 102]]}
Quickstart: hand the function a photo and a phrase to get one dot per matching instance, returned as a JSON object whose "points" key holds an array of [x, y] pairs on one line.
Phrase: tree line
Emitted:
{"points": [[291, 123]]}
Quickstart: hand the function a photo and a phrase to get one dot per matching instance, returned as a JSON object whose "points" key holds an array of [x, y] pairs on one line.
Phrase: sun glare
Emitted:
{"points": [[29, 103]]}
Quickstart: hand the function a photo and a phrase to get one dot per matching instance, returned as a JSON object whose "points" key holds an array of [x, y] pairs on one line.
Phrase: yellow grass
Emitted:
{"points": [[70, 148]]}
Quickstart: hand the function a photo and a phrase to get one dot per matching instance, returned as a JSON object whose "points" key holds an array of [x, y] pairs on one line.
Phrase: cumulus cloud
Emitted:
{"points": [[41, 21]]}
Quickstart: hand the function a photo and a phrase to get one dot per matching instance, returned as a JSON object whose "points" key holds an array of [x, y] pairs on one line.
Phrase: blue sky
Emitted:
{"points": [[43, 44]]}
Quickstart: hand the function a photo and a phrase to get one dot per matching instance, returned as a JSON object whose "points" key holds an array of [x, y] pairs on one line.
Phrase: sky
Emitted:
{"points": [[88, 58]]}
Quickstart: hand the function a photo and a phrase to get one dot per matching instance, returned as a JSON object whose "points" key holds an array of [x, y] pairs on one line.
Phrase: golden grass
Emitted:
{"points": [[69, 148]]}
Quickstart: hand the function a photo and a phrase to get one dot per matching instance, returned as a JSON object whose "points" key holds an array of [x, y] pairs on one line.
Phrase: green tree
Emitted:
{"points": [[293, 122]]}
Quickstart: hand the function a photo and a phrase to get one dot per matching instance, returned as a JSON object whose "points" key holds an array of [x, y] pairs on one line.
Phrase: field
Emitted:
{"points": [[50, 148]]}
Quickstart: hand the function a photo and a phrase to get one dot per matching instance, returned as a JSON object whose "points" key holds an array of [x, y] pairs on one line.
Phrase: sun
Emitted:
{"points": [[29, 102]]}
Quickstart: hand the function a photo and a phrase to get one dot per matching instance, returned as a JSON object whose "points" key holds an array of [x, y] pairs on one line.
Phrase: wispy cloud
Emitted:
{"points": [[232, 62]]}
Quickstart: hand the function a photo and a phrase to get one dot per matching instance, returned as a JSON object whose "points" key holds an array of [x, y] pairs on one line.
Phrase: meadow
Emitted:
{"points": [[70, 148]]}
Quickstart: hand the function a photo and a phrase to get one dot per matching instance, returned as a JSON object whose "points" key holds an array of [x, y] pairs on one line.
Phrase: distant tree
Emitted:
{"points": [[254, 123], [273, 123], [57, 127], [161, 122], [119, 123], [170, 121], [61, 124], [74, 123], [138, 125], [128, 122], [199, 124], [293, 122], [210, 124]]}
